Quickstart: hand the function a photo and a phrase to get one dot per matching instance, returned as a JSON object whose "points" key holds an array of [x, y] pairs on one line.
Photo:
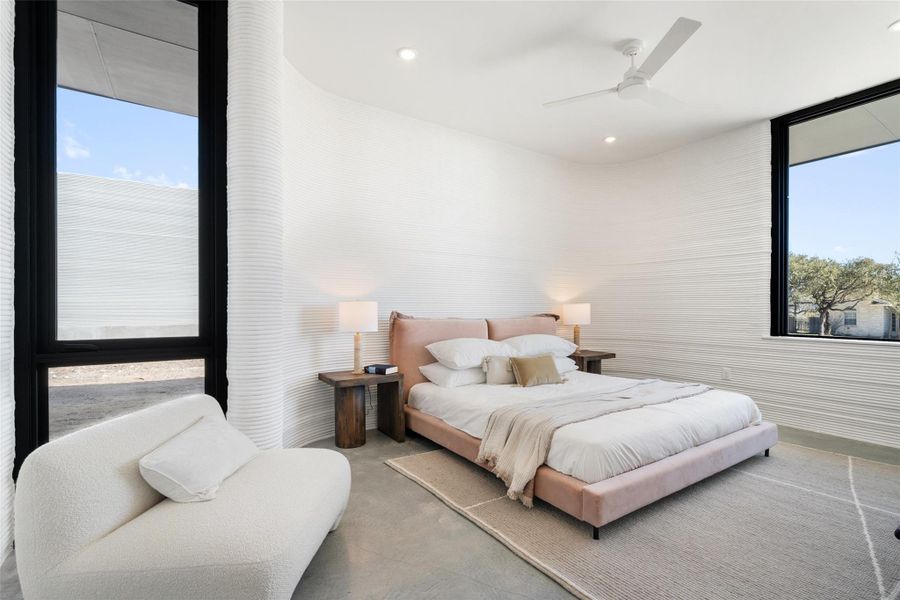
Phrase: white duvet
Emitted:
{"points": [[607, 446]]}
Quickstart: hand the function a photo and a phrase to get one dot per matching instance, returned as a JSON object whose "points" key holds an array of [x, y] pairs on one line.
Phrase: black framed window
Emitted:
{"points": [[836, 218], [120, 209]]}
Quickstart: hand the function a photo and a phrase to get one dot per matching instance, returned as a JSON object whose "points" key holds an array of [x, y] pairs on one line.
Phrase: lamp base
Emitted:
{"points": [[357, 354], [576, 337]]}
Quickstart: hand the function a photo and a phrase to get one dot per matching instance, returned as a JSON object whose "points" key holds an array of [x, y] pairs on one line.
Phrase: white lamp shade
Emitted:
{"points": [[576, 314], [356, 317]]}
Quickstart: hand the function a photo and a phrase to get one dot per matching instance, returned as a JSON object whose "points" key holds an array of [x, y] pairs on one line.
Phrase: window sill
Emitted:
{"points": [[831, 340]]}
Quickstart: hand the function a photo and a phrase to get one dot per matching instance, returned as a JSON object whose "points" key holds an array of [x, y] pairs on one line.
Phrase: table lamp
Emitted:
{"points": [[577, 315], [357, 317]]}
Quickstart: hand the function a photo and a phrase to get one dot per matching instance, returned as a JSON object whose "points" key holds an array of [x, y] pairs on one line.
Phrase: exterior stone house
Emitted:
{"points": [[872, 318]]}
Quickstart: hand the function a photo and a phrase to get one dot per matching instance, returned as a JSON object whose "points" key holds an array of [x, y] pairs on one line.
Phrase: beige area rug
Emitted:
{"points": [[801, 524]]}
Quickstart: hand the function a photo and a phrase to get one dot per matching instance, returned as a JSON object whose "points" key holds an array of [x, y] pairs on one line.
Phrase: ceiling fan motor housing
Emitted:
{"points": [[633, 88]]}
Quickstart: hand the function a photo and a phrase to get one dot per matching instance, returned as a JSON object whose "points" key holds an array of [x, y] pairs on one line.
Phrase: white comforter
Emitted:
{"points": [[604, 447]]}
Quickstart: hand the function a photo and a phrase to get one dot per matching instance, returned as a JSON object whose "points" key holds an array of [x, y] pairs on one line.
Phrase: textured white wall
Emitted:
{"points": [[424, 219], [672, 252], [684, 247], [255, 390], [7, 320]]}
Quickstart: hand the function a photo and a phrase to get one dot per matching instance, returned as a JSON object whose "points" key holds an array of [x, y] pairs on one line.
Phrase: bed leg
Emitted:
{"points": [[596, 533], [767, 451]]}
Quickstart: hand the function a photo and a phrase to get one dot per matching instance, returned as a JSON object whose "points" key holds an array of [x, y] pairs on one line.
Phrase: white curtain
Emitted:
{"points": [[255, 383], [7, 242]]}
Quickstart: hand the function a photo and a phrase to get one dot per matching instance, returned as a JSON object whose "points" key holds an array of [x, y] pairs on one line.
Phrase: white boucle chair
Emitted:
{"points": [[88, 526]]}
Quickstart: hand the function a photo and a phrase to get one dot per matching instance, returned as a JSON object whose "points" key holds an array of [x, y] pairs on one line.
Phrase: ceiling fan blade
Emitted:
{"points": [[659, 99], [578, 98], [669, 45]]}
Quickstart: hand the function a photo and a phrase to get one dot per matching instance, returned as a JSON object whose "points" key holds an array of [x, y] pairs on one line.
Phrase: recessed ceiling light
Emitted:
{"points": [[895, 26], [609, 139], [406, 53]]}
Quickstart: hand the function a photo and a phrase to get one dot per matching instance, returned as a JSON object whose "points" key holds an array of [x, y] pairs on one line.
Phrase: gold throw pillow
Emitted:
{"points": [[535, 370]]}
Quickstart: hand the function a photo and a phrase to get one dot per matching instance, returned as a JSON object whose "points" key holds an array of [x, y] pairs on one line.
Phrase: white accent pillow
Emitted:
{"points": [[534, 344], [498, 369], [466, 353], [440, 375], [565, 365], [191, 466]]}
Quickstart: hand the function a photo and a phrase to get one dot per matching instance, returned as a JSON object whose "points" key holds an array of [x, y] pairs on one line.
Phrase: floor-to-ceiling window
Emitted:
{"points": [[120, 230]]}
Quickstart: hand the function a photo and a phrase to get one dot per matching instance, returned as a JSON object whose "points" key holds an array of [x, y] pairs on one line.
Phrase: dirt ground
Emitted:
{"points": [[126, 372], [74, 407]]}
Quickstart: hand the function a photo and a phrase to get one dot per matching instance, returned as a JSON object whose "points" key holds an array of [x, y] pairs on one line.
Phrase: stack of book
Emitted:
{"points": [[381, 369]]}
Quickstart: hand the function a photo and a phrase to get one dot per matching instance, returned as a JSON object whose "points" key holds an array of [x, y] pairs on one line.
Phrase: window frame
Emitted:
{"points": [[780, 130], [847, 314], [36, 345]]}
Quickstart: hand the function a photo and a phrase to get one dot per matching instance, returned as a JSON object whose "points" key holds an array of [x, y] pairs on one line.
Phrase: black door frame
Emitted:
{"points": [[36, 346]]}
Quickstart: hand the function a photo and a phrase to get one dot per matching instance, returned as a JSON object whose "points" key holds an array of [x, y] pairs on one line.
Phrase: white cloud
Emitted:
{"points": [[74, 149], [161, 179], [124, 173], [840, 249]]}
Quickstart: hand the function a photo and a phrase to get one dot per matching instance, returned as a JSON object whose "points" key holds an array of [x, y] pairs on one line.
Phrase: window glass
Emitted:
{"points": [[86, 395], [127, 170], [844, 222]]}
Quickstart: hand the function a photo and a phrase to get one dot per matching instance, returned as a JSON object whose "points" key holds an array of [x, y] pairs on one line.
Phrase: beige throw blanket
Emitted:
{"points": [[517, 438]]}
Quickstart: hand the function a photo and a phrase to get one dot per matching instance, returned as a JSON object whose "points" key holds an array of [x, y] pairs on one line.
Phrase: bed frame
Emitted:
{"points": [[595, 503]]}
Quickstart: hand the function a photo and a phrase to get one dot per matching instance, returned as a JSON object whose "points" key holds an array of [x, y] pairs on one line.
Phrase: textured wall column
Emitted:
{"points": [[255, 283], [7, 242]]}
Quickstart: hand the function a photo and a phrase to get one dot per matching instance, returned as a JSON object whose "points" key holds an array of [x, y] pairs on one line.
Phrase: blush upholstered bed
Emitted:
{"points": [[596, 503]]}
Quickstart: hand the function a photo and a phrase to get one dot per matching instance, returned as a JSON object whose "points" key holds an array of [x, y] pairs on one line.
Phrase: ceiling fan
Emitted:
{"points": [[636, 82]]}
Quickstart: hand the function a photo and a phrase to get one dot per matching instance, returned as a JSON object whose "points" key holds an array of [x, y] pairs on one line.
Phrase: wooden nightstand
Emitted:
{"points": [[589, 361], [350, 406]]}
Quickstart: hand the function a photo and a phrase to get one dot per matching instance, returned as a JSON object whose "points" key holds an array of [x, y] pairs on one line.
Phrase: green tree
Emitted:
{"points": [[827, 284], [889, 286]]}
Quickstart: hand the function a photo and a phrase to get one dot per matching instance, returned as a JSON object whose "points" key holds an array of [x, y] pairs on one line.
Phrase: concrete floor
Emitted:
{"points": [[839, 445], [398, 541]]}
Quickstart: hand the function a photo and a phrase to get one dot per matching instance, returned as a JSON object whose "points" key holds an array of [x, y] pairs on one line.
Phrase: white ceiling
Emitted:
{"points": [[141, 52], [486, 67]]}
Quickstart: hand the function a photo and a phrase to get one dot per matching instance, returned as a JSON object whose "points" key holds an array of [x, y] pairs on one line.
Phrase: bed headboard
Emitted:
{"points": [[409, 336], [500, 329]]}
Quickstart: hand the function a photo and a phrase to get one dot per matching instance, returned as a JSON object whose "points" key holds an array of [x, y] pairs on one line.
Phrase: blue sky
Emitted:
{"points": [[110, 138], [847, 206]]}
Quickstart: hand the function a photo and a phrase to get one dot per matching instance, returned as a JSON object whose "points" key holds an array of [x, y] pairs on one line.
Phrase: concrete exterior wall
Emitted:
{"points": [[128, 256]]}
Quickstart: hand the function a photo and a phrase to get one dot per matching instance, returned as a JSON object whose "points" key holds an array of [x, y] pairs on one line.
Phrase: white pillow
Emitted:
{"points": [[190, 466], [466, 353], [444, 377], [565, 365], [498, 369], [534, 344]]}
